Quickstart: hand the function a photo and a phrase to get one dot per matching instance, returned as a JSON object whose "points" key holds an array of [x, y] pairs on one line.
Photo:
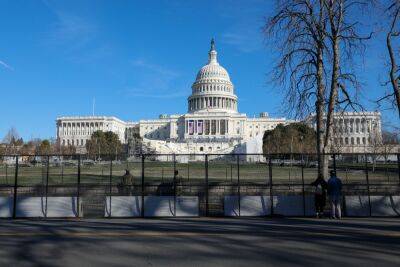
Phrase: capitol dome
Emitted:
{"points": [[213, 71], [213, 90]]}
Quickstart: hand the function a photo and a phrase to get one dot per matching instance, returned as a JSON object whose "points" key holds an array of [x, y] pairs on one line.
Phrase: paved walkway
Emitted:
{"points": [[200, 242]]}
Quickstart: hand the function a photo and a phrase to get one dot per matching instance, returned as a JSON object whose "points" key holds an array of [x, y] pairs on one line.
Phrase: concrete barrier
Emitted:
{"points": [[61, 207], [57, 207], [187, 206], [385, 205], [249, 206], [292, 205], [31, 207], [380, 206], [123, 206], [163, 206], [357, 206], [6, 207]]}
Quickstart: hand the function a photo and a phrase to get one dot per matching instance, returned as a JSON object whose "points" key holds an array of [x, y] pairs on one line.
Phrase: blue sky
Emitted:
{"points": [[138, 59]]}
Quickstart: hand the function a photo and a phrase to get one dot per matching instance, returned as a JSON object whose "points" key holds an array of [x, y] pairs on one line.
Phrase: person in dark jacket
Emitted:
{"points": [[127, 183], [320, 195], [335, 195]]}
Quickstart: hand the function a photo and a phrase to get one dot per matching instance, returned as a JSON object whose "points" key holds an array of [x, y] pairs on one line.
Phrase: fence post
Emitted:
{"points": [[398, 165], [367, 178], [188, 171], [78, 187], [15, 188], [62, 172], [110, 184], [110, 177], [270, 184], [142, 189], [334, 162], [47, 183], [238, 181], [206, 181], [174, 183], [302, 182]]}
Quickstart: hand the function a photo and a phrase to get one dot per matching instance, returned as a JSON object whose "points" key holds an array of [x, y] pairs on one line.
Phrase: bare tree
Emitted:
{"points": [[317, 39], [299, 27], [393, 13]]}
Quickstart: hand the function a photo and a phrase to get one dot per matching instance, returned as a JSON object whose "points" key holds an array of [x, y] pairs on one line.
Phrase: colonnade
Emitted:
{"points": [[212, 102], [356, 125], [79, 128]]}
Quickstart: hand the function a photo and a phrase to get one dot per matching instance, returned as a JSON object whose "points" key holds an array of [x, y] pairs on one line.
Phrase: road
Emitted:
{"points": [[200, 242]]}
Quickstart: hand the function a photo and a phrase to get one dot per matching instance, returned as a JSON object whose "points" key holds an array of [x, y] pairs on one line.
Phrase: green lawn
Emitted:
{"points": [[218, 171]]}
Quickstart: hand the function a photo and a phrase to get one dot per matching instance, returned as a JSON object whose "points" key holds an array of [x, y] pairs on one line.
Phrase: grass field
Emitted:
{"points": [[218, 171]]}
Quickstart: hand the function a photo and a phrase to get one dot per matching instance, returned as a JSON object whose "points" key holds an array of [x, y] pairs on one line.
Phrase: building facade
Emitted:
{"points": [[212, 123]]}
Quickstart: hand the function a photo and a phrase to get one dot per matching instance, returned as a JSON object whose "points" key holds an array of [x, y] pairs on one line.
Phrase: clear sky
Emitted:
{"points": [[137, 59]]}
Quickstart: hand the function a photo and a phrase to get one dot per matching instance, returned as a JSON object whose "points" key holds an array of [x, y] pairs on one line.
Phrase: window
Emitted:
{"points": [[201, 149]]}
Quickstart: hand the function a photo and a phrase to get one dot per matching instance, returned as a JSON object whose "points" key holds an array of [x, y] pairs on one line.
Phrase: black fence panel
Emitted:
{"points": [[192, 184]]}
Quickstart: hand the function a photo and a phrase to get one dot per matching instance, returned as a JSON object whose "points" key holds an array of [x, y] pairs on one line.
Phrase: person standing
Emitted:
{"points": [[320, 195], [335, 195], [127, 183]]}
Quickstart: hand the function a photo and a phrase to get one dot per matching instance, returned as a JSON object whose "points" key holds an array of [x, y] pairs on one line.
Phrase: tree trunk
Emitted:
{"points": [[320, 112], [393, 69]]}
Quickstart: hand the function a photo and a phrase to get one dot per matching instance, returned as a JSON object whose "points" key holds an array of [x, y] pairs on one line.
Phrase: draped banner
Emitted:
{"points": [[191, 127], [200, 127]]}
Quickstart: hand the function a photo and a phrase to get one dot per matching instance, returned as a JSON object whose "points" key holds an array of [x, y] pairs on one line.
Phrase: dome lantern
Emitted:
{"points": [[212, 55]]}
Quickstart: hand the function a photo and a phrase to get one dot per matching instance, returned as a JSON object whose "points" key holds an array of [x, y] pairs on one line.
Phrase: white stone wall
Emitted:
{"points": [[77, 130], [257, 126]]}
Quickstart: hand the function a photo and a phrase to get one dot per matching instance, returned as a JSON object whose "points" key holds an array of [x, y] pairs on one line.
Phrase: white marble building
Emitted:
{"points": [[357, 131], [211, 125], [77, 130]]}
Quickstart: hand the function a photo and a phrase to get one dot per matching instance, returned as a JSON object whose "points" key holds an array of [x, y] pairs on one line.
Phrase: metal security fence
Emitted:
{"points": [[149, 185]]}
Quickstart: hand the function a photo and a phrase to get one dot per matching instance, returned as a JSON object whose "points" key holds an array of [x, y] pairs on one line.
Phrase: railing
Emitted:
{"points": [[190, 184]]}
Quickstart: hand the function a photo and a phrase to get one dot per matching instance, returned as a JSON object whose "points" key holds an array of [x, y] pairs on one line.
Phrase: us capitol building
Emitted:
{"points": [[212, 123]]}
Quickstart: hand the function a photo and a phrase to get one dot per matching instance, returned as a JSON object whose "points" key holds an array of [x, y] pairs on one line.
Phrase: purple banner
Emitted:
{"points": [[200, 127], [191, 127]]}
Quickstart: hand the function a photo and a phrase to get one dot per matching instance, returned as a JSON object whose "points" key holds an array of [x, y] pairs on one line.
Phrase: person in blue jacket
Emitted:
{"points": [[335, 195]]}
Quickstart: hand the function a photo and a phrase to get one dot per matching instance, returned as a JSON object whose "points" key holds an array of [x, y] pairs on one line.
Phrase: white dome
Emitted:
{"points": [[212, 71], [212, 91]]}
